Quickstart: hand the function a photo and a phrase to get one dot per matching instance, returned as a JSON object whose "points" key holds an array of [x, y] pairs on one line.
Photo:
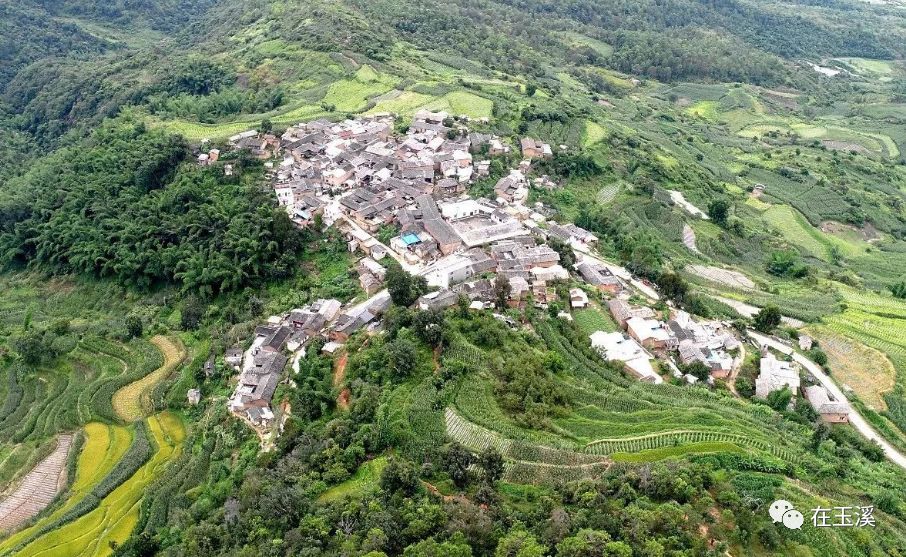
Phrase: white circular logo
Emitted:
{"points": [[793, 519], [779, 507]]}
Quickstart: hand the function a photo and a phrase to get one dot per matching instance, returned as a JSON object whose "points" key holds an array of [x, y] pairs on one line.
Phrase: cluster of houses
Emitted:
{"points": [[359, 174], [643, 337], [261, 367], [776, 374]]}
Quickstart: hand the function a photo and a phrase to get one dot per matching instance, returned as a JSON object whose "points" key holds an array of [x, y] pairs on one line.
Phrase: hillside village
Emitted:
{"points": [[364, 179]]}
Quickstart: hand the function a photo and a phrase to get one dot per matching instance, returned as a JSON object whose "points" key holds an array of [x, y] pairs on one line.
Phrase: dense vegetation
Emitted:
{"points": [[122, 204]]}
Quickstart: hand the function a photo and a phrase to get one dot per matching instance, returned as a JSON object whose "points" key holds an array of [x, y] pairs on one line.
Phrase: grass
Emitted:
{"points": [[364, 480], [118, 513], [104, 446], [131, 402]]}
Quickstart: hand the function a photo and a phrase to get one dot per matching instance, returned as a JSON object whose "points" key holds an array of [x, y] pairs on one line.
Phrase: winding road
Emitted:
{"points": [[855, 419]]}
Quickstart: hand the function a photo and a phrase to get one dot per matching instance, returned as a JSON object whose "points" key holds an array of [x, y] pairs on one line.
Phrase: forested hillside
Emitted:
{"points": [[745, 160]]}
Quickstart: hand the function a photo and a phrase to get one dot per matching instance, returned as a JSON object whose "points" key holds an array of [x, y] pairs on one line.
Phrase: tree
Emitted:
{"points": [[519, 543], [454, 547], [566, 253], [399, 476], [780, 400], [402, 356], [491, 463], [786, 264], [502, 290], [672, 286], [586, 543], [719, 211], [134, 326], [457, 460], [404, 288], [192, 312], [429, 326], [818, 356], [767, 319], [530, 89], [898, 289], [698, 369], [744, 387], [31, 347], [267, 126], [821, 433]]}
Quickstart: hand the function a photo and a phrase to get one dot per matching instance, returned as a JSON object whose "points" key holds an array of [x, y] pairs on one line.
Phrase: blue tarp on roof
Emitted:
{"points": [[410, 239]]}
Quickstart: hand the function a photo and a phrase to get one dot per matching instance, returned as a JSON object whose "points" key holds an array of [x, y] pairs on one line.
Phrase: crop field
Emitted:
{"points": [[875, 321], [404, 103], [593, 319], [132, 401], [117, 514], [866, 370], [351, 95], [799, 231], [463, 103], [678, 451], [37, 488], [77, 390], [103, 448], [615, 418], [704, 109]]}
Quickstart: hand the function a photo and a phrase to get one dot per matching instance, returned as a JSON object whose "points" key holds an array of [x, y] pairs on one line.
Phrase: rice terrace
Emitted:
{"points": [[334, 278]]}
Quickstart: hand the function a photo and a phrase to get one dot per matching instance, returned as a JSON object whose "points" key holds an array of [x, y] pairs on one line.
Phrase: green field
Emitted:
{"points": [[797, 230], [593, 319]]}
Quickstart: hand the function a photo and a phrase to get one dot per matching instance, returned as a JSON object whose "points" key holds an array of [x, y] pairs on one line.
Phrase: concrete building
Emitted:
{"points": [[775, 375], [831, 411]]}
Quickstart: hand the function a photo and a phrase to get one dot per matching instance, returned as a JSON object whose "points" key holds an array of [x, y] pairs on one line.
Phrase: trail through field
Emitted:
{"points": [[680, 200], [339, 375], [133, 402], [37, 489]]}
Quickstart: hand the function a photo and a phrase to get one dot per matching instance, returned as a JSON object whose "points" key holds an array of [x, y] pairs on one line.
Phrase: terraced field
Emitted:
{"points": [[865, 370], [103, 448], [132, 402], [615, 418], [117, 514]]}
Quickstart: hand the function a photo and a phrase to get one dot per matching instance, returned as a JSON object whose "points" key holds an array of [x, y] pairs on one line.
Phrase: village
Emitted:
{"points": [[412, 190]]}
